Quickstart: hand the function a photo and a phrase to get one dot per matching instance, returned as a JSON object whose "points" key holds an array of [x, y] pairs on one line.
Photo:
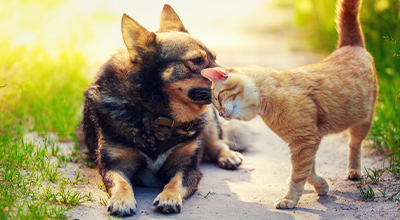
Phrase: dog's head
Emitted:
{"points": [[167, 66]]}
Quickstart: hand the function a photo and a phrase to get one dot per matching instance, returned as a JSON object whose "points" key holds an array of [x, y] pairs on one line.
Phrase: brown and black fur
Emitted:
{"points": [[158, 74]]}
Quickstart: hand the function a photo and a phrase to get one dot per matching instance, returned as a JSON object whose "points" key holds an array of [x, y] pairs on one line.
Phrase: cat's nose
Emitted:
{"points": [[221, 114]]}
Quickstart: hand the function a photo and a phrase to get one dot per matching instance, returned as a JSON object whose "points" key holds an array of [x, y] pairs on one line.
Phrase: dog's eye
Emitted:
{"points": [[197, 60]]}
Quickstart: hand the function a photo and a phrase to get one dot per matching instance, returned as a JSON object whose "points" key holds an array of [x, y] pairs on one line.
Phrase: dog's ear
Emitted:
{"points": [[140, 42], [170, 21]]}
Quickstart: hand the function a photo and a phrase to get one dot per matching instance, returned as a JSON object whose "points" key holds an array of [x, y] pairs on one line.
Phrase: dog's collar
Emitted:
{"points": [[164, 121], [172, 123]]}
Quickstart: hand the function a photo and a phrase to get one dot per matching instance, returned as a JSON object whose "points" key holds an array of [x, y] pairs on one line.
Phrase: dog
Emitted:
{"points": [[147, 119]]}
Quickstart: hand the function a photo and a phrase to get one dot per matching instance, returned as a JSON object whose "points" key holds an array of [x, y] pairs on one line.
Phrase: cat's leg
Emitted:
{"points": [[318, 181], [357, 135], [302, 163]]}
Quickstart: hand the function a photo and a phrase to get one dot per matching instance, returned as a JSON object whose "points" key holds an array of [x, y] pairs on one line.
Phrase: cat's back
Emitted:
{"points": [[342, 87], [345, 66]]}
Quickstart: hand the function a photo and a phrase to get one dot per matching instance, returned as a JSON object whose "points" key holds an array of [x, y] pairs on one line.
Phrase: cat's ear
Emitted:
{"points": [[214, 74]]}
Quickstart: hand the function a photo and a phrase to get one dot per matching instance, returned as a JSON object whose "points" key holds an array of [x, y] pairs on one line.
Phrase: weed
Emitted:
{"points": [[103, 201], [72, 197], [51, 173], [375, 175], [368, 195], [395, 194], [102, 186], [383, 192], [207, 194], [89, 163], [394, 167], [63, 160]]}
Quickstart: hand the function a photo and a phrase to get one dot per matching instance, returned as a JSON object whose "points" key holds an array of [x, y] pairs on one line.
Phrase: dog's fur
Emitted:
{"points": [[157, 75]]}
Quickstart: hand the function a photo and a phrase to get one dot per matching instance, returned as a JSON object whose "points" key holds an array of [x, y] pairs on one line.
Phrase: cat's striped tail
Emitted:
{"points": [[348, 23]]}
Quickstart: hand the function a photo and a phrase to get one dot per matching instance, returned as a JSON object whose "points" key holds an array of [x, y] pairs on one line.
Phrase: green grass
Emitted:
{"points": [[31, 187], [42, 80], [42, 76], [381, 25]]}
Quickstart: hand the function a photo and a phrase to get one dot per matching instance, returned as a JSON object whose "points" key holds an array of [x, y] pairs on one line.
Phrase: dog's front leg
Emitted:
{"points": [[122, 201], [170, 199], [118, 165], [182, 170]]}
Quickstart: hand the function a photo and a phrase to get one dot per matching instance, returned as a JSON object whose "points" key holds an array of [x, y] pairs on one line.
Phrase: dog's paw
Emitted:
{"points": [[122, 205], [284, 204], [354, 174], [168, 201], [229, 159]]}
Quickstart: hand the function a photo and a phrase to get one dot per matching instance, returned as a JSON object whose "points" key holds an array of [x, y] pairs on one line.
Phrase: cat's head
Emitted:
{"points": [[234, 94]]}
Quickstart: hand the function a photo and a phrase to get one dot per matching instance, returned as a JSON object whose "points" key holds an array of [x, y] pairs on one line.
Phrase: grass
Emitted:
{"points": [[368, 194], [42, 80], [373, 176], [26, 172], [43, 76]]}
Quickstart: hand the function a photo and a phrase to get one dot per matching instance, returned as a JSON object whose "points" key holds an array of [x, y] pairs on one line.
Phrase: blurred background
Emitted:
{"points": [[51, 49]]}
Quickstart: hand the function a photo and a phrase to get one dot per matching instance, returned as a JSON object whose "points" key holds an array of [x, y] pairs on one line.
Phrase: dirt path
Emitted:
{"points": [[244, 34]]}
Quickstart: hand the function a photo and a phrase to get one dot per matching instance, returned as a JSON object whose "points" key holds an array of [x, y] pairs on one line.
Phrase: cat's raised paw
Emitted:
{"points": [[284, 204], [354, 174]]}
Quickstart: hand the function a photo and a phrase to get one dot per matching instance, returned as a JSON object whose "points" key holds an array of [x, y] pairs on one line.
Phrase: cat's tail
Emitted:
{"points": [[348, 23]]}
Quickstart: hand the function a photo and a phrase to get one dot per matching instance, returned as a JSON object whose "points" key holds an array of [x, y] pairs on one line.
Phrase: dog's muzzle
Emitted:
{"points": [[201, 95]]}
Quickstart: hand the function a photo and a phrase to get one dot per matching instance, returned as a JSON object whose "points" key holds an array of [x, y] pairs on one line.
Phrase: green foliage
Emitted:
{"points": [[26, 172], [380, 21], [42, 79], [367, 195], [42, 76], [374, 176]]}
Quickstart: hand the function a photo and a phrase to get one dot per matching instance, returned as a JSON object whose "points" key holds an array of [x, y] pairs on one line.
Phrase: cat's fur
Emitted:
{"points": [[303, 104]]}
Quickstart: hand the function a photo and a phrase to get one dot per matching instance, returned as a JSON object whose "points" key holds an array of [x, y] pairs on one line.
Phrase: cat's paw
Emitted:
{"points": [[322, 189], [284, 204], [354, 174], [168, 201], [320, 184], [229, 159], [122, 204]]}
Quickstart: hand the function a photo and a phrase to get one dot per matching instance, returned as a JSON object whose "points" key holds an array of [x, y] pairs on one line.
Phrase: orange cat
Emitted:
{"points": [[304, 104]]}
